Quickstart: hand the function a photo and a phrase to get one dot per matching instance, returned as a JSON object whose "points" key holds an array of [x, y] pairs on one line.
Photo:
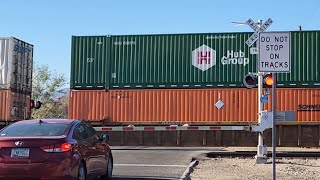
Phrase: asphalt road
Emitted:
{"points": [[145, 163]]}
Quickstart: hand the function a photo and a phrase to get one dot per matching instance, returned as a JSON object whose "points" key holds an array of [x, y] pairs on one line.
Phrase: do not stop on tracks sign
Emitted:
{"points": [[274, 52]]}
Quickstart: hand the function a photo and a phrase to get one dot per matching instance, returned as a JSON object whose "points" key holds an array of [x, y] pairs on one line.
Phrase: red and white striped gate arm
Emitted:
{"points": [[172, 128]]}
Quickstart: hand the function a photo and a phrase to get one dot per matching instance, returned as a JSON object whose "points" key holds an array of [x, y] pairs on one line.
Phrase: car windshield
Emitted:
{"points": [[39, 129]]}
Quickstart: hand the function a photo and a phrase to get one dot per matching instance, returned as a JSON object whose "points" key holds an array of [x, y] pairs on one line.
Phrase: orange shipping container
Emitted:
{"points": [[305, 102], [197, 106], [89, 105], [14, 106]]}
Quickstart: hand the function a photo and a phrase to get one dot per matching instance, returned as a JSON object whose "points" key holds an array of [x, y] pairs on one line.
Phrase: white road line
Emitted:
{"points": [[150, 165]]}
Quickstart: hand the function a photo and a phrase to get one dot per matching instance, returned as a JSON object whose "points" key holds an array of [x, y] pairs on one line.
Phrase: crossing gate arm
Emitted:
{"points": [[173, 128]]}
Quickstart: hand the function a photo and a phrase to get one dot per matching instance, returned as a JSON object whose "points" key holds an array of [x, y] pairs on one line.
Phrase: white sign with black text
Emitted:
{"points": [[274, 52], [254, 50]]}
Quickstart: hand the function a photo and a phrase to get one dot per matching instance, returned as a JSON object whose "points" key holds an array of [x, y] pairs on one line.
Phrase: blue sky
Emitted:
{"points": [[49, 25]]}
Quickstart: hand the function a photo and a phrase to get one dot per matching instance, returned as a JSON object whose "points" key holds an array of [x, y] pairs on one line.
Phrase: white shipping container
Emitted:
{"points": [[16, 61]]}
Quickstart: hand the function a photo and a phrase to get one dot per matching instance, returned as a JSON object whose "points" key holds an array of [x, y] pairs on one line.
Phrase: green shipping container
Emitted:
{"points": [[183, 61], [187, 61], [90, 62]]}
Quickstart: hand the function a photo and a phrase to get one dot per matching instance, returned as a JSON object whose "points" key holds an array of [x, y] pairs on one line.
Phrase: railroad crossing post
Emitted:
{"points": [[261, 157]]}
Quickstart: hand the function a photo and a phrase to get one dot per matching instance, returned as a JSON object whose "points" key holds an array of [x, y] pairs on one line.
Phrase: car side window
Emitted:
{"points": [[90, 130], [80, 132], [92, 133]]}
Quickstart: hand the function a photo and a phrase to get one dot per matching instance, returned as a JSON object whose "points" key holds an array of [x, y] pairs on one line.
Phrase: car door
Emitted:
{"points": [[84, 147], [98, 148]]}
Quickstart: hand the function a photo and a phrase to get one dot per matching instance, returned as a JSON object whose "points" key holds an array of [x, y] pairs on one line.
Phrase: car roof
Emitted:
{"points": [[60, 121]]}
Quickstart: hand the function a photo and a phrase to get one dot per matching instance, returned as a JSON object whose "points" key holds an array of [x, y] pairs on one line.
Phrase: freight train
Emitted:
{"points": [[185, 78]]}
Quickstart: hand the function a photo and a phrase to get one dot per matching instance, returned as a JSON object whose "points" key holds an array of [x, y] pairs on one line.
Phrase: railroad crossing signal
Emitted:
{"points": [[35, 104], [267, 81], [251, 80], [255, 36]]}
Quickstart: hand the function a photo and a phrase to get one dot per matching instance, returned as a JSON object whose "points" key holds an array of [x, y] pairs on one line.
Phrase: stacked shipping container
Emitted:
{"points": [[192, 106], [16, 61], [183, 78]]}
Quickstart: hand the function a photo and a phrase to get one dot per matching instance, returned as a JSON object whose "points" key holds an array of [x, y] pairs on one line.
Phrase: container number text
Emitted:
{"points": [[90, 60], [125, 43]]}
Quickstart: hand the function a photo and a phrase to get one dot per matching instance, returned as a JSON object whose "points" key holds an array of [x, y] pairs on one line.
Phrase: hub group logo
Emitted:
{"points": [[203, 57]]}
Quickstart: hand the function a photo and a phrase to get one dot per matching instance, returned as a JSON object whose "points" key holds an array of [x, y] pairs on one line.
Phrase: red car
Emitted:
{"points": [[50, 149]]}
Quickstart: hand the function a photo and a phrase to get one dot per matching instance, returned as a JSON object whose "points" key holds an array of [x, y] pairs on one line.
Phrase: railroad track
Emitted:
{"points": [[280, 154]]}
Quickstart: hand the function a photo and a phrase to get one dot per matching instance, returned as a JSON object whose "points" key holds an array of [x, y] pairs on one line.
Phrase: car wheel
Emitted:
{"points": [[82, 173], [109, 169]]}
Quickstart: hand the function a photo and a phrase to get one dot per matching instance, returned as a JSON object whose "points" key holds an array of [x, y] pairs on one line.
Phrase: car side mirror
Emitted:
{"points": [[105, 137]]}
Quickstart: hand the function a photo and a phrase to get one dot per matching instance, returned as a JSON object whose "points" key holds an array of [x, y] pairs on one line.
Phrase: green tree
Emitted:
{"points": [[44, 84]]}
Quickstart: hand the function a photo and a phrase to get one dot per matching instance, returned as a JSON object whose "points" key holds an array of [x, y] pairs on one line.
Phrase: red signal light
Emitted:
{"points": [[268, 81], [35, 104], [31, 103]]}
